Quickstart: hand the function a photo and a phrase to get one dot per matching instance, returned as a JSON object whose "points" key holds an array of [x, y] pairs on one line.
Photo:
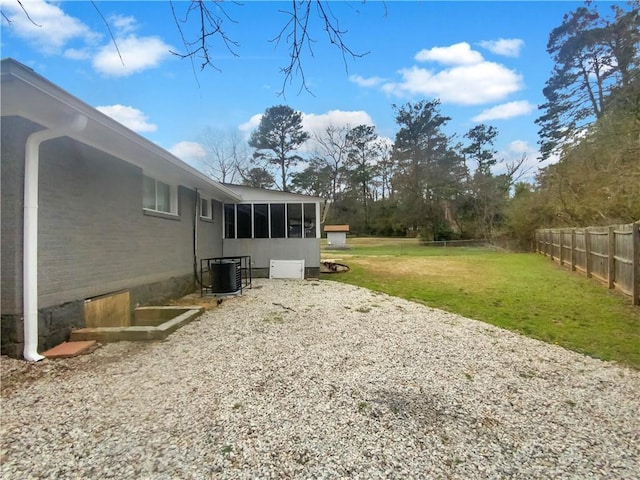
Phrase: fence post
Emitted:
{"points": [[573, 249], [635, 256], [611, 253], [587, 252], [560, 237], [550, 244]]}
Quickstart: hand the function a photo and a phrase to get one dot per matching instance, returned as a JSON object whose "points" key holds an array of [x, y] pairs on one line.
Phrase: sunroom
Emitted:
{"points": [[280, 231]]}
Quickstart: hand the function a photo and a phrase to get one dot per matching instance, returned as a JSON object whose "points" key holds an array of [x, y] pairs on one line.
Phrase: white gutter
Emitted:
{"points": [[30, 240]]}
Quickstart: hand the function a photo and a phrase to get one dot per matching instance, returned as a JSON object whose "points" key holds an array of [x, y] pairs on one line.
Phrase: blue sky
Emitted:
{"points": [[486, 61]]}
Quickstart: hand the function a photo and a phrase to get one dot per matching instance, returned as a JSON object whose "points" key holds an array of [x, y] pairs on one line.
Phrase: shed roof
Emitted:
{"points": [[336, 228]]}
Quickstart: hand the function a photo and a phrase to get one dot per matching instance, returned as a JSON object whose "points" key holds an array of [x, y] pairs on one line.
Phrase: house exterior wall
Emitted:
{"points": [[210, 235], [94, 236], [14, 131], [262, 250]]}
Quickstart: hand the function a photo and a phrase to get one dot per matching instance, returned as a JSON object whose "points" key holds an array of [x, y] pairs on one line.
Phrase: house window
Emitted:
{"points": [[229, 221], [277, 220], [309, 220], [158, 196], [294, 220], [244, 220], [206, 210], [261, 220]]}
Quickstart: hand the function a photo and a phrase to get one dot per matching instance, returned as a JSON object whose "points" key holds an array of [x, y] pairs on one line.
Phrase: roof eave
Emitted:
{"points": [[69, 105]]}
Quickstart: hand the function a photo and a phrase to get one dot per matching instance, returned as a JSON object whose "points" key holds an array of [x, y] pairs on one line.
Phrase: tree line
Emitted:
{"points": [[440, 187], [590, 122], [424, 182]]}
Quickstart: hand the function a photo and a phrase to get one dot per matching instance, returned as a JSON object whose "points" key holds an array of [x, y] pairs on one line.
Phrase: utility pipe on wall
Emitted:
{"points": [[30, 240], [196, 217]]}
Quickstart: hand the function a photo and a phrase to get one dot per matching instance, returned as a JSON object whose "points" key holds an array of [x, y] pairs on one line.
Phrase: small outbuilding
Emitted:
{"points": [[336, 235]]}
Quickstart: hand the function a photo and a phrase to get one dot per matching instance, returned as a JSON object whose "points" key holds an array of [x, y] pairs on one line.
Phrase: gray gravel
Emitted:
{"points": [[322, 380]]}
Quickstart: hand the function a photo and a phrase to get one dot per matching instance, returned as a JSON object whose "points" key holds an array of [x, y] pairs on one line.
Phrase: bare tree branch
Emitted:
{"points": [[296, 33], [515, 171], [211, 19], [113, 39], [184, 41], [210, 26], [227, 154], [27, 13]]}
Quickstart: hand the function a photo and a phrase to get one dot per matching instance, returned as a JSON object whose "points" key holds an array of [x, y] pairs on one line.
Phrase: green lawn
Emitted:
{"points": [[521, 292]]}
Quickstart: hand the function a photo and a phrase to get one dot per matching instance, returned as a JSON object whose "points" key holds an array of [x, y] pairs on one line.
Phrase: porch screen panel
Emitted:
{"points": [[229, 221], [261, 220], [277, 220], [244, 221], [309, 220], [294, 220]]}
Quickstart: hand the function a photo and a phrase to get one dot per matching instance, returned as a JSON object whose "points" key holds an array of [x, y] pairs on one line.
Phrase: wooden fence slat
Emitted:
{"points": [[611, 260], [635, 277], [587, 252], [573, 249]]}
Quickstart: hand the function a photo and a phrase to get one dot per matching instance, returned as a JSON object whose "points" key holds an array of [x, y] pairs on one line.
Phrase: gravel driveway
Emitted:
{"points": [[322, 380]]}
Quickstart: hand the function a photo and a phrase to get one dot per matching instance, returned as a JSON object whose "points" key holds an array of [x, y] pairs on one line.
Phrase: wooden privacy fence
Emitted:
{"points": [[609, 254]]}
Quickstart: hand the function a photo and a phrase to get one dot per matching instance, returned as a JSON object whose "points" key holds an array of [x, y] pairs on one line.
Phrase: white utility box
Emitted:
{"points": [[286, 269]]}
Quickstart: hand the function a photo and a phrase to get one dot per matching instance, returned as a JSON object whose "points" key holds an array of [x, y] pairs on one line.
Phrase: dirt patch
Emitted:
{"points": [[16, 373], [421, 267], [381, 242]]}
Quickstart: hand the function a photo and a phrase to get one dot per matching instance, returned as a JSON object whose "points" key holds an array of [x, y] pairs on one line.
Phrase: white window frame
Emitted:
{"points": [[208, 215], [173, 197]]}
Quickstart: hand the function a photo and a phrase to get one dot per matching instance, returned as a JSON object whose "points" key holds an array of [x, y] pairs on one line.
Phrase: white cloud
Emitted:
{"points": [[505, 111], [464, 77], [316, 123], [366, 82], [190, 152], [128, 116], [509, 47], [457, 54], [519, 147], [123, 24], [138, 54], [464, 85], [52, 31], [78, 53], [313, 123], [250, 125], [514, 152], [51, 28]]}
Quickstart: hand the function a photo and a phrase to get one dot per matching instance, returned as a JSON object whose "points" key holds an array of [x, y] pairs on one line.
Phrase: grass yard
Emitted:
{"points": [[522, 292]]}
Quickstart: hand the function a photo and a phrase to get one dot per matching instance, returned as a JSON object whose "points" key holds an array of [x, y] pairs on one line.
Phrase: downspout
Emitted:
{"points": [[30, 240], [196, 217]]}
